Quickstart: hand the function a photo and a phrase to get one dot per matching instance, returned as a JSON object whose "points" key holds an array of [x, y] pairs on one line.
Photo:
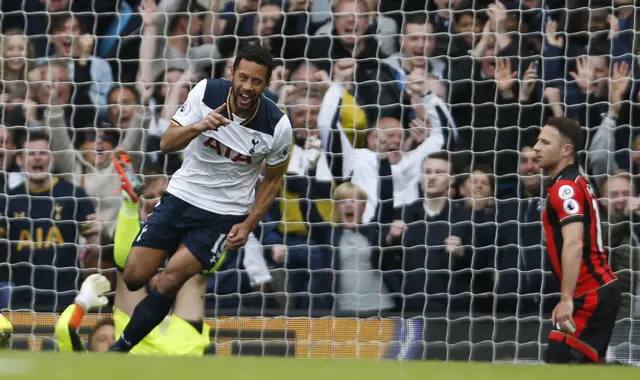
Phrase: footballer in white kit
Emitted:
{"points": [[227, 130]]}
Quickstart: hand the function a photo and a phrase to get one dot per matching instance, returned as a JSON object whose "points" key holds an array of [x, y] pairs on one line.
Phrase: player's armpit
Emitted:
{"points": [[284, 164], [276, 171]]}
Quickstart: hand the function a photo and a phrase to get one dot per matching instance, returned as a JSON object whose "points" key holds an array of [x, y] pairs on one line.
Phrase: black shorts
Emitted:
{"points": [[594, 315], [175, 221]]}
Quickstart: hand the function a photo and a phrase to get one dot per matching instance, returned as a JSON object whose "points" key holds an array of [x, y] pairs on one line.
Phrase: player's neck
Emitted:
{"points": [[553, 173], [243, 115], [39, 185]]}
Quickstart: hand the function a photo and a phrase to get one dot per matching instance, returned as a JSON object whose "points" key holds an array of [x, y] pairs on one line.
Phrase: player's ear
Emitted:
{"points": [[20, 158]]}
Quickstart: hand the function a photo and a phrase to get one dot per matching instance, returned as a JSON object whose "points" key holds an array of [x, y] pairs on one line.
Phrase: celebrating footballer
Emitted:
{"points": [[590, 297], [227, 130]]}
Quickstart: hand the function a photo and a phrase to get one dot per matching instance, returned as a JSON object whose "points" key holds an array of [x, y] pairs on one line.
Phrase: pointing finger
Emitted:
{"points": [[221, 108]]}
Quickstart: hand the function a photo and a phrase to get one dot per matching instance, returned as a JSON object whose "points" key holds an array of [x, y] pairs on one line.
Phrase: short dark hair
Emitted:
{"points": [[481, 167], [125, 86], [568, 128], [419, 18], [58, 20], [101, 323], [441, 155], [256, 54], [37, 135]]}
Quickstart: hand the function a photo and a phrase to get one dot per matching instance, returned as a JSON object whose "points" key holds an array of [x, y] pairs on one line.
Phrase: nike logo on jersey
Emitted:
{"points": [[222, 150]]}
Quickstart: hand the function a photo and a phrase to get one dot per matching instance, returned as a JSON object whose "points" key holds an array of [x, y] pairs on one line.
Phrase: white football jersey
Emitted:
{"points": [[221, 168]]}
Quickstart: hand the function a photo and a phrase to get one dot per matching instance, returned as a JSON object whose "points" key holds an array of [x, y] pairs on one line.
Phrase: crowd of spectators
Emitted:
{"points": [[412, 185]]}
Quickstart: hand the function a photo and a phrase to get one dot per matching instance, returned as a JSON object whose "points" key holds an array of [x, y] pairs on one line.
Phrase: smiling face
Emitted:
{"points": [[387, 137], [104, 149], [616, 193], [249, 82], [418, 43], [14, 52], [529, 170]]}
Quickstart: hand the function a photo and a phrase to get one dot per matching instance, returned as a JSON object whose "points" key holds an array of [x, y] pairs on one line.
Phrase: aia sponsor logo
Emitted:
{"points": [[222, 150]]}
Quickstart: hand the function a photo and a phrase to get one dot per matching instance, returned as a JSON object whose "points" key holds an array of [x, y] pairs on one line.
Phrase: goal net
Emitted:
{"points": [[408, 225]]}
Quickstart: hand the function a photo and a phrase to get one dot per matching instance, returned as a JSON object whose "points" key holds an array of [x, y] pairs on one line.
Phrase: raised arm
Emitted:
{"points": [[189, 121]]}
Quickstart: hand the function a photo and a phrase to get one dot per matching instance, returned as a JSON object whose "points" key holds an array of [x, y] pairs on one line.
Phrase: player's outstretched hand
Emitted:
{"points": [[92, 292], [237, 236], [213, 120]]}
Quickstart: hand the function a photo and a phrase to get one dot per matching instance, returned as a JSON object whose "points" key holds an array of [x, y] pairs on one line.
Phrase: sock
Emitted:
{"points": [[126, 231], [196, 325], [146, 316]]}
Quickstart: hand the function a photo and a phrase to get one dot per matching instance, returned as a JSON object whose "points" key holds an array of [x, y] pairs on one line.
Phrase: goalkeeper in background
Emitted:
{"points": [[6, 329], [175, 336]]}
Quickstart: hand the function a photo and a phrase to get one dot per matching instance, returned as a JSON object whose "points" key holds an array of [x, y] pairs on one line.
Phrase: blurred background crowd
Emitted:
{"points": [[412, 187]]}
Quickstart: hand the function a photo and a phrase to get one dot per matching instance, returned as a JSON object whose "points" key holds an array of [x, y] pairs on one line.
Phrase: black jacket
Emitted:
{"points": [[419, 267]]}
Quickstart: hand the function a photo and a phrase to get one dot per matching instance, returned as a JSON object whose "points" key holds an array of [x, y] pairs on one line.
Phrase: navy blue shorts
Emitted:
{"points": [[175, 221]]}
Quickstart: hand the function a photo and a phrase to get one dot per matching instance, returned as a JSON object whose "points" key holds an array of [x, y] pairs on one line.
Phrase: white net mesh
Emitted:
{"points": [[372, 88]]}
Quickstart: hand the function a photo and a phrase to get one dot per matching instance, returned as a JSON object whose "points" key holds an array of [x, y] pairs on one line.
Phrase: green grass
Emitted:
{"points": [[44, 366]]}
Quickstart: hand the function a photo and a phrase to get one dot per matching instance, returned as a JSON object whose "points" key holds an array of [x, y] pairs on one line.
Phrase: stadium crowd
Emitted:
{"points": [[412, 185]]}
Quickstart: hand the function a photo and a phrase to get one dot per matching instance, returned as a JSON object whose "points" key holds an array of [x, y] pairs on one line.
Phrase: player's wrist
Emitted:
{"points": [[84, 300], [566, 298]]}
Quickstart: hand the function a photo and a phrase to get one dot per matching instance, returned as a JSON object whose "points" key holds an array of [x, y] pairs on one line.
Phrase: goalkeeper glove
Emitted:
{"points": [[92, 292], [6, 329]]}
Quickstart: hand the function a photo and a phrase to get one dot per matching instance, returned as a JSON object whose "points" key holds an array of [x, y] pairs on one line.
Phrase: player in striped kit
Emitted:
{"points": [[590, 298]]}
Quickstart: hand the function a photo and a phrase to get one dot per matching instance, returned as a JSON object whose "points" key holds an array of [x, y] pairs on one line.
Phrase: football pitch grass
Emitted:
{"points": [[44, 366]]}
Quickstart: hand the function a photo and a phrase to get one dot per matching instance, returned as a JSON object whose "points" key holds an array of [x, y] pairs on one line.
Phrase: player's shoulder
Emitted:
{"points": [[565, 188], [64, 188], [18, 190], [214, 91], [269, 118]]}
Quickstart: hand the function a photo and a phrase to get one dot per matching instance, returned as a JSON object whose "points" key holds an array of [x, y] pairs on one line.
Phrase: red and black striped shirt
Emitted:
{"points": [[571, 199]]}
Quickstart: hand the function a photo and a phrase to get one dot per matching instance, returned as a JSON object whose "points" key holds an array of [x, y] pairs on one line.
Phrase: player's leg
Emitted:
{"points": [[187, 334], [189, 303], [156, 305], [598, 328], [160, 235], [126, 231], [138, 264], [594, 317]]}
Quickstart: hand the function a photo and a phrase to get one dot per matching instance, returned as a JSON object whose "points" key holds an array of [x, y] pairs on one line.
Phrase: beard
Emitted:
{"points": [[244, 103]]}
